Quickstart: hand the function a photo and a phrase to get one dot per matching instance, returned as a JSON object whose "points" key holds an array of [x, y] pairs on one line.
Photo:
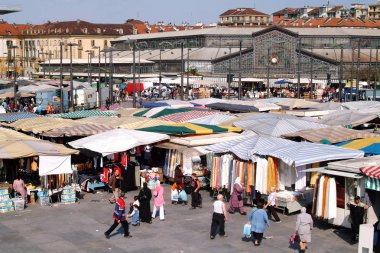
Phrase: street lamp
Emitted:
{"points": [[299, 70], [376, 73], [162, 46], [89, 52], [110, 50], [61, 78], [188, 69], [98, 87], [358, 71], [140, 45], [15, 76], [230, 76], [71, 76], [43, 59]]}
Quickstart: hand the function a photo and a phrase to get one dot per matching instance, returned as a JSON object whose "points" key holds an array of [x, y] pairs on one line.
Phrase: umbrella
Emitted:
{"points": [[277, 126], [117, 140], [370, 146], [189, 129]]}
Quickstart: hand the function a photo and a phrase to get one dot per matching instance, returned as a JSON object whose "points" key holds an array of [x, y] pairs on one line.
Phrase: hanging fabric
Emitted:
{"points": [[300, 178], [320, 196]]}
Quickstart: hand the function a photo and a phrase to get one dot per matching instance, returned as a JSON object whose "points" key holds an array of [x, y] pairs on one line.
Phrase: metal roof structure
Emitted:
{"points": [[6, 9]]}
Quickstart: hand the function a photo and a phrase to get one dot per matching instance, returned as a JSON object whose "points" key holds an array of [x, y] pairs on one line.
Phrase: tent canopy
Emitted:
{"points": [[189, 129], [214, 119], [347, 118], [297, 103], [186, 116], [288, 151], [331, 134], [78, 130], [117, 140], [83, 114], [370, 146]]}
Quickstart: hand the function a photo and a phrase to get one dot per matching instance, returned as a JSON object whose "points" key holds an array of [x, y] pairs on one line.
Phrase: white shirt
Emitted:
{"points": [[218, 207], [272, 199]]}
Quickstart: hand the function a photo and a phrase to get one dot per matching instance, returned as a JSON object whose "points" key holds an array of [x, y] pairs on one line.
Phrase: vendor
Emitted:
{"points": [[19, 187], [357, 212]]}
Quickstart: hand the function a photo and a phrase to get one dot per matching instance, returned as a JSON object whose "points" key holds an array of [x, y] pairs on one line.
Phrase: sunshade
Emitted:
{"points": [[165, 111], [214, 119], [83, 114], [277, 126], [125, 112], [14, 116], [206, 101], [140, 113], [232, 107], [331, 134], [18, 148], [8, 134], [297, 103], [347, 118], [144, 122], [189, 129], [370, 146], [361, 105], [117, 140], [371, 171], [42, 124], [299, 153], [79, 130], [186, 116], [169, 103]]}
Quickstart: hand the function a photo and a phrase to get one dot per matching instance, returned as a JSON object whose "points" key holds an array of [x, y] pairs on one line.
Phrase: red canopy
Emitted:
{"points": [[371, 171], [130, 87]]}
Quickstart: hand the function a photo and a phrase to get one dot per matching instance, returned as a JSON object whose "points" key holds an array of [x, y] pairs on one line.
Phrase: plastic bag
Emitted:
{"points": [[247, 230]]}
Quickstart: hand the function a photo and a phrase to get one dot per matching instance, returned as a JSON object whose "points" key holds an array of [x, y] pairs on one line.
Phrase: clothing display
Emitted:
{"points": [[172, 158], [300, 178], [325, 200]]}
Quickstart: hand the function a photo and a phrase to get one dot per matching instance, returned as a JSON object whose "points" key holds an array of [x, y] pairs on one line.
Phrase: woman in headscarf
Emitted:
{"points": [[304, 226], [145, 196], [178, 175], [159, 201], [236, 200]]}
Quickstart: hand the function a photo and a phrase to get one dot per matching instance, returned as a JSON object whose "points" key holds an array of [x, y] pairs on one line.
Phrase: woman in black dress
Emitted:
{"points": [[145, 196]]}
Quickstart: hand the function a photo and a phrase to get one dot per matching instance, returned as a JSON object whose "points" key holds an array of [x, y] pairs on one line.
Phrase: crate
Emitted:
{"points": [[68, 190], [6, 203], [68, 196], [5, 209], [44, 201], [4, 191], [19, 204], [4, 197], [69, 201]]}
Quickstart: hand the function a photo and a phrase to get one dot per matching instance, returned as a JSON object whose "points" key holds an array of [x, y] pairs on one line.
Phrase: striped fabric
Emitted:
{"points": [[371, 171], [79, 130], [370, 146], [347, 118], [331, 134], [289, 152], [14, 116], [372, 183], [83, 114], [277, 126], [214, 119], [42, 124], [186, 116]]}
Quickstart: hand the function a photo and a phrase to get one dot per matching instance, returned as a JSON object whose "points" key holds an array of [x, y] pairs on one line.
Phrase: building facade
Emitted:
{"points": [[243, 17], [374, 10]]}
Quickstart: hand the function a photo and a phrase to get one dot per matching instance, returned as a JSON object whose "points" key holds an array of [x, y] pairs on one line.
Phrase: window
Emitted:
{"points": [[80, 43], [105, 44], [92, 43], [79, 54]]}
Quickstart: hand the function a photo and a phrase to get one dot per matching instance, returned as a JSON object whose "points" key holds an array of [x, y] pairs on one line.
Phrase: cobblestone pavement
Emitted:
{"points": [[79, 228]]}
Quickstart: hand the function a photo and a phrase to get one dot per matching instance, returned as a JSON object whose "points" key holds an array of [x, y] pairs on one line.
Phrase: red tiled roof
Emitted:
{"points": [[242, 12], [286, 11], [12, 29], [331, 22], [314, 11], [335, 9]]}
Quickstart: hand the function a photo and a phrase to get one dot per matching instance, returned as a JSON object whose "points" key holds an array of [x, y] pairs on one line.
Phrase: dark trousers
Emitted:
{"points": [[196, 199], [257, 237], [115, 224], [217, 221], [272, 211], [354, 231]]}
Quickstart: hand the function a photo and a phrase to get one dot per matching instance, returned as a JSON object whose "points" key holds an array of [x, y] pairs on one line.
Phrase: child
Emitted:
{"points": [[135, 202], [218, 218], [135, 215]]}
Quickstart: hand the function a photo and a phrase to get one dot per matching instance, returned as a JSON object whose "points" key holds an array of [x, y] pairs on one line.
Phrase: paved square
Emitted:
{"points": [[79, 228]]}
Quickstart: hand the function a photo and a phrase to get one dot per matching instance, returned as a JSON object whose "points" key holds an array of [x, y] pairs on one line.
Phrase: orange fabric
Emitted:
{"points": [[324, 195], [271, 179]]}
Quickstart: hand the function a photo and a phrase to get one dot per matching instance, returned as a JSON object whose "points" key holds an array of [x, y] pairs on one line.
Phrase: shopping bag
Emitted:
{"points": [[294, 240], [247, 230], [175, 195]]}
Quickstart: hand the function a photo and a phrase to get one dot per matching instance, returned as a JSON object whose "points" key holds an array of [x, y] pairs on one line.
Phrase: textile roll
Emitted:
{"points": [[325, 183]]}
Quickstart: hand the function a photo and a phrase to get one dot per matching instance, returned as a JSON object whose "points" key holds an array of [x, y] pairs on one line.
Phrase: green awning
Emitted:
{"points": [[140, 114], [168, 111]]}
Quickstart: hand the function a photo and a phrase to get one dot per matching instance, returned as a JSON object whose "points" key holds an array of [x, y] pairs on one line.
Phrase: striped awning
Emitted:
{"points": [[79, 130], [14, 116], [371, 171], [186, 116], [189, 129], [83, 114], [372, 183], [331, 134]]}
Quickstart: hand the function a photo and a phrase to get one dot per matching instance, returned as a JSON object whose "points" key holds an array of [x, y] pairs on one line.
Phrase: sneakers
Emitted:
{"points": [[278, 221], [212, 237], [243, 213], [107, 235], [127, 235], [223, 236]]}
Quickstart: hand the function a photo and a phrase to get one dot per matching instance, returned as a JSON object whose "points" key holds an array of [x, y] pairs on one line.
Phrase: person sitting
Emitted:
{"points": [[178, 194], [135, 215]]}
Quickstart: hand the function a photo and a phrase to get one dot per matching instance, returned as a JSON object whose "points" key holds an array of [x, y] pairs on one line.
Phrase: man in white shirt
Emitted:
{"points": [[271, 205]]}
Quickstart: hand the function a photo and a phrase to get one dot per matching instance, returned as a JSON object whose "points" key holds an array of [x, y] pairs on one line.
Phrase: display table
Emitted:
{"points": [[293, 201]]}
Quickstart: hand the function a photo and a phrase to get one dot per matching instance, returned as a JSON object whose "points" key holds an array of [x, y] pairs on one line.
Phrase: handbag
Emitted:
{"points": [[247, 230]]}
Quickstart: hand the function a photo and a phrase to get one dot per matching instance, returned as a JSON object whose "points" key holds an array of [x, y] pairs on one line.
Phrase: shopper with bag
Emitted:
{"points": [[236, 200], [218, 218], [159, 201], [145, 196], [304, 226], [258, 219]]}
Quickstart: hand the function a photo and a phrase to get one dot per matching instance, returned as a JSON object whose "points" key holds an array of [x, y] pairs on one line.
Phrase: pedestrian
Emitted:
{"points": [[119, 217], [272, 204], [145, 196], [159, 201], [196, 198], [258, 219], [304, 226], [178, 175], [236, 200], [219, 217], [115, 183], [19, 187], [135, 215], [357, 212]]}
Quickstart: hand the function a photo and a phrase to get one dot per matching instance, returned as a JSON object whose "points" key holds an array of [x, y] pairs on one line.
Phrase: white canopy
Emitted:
{"points": [[117, 140], [54, 165]]}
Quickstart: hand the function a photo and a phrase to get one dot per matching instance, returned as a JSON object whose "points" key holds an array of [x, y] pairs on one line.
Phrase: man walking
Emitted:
{"points": [[119, 217], [271, 205]]}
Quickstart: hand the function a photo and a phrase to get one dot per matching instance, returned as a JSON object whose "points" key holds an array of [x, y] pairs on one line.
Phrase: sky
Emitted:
{"points": [[118, 11]]}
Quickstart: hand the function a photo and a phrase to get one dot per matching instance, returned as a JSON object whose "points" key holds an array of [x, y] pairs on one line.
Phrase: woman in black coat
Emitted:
{"points": [[145, 196]]}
